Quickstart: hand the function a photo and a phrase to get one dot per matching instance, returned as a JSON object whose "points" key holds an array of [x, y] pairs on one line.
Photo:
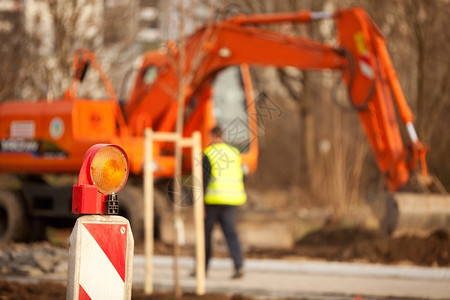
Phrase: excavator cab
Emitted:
{"points": [[230, 108], [224, 98], [235, 112]]}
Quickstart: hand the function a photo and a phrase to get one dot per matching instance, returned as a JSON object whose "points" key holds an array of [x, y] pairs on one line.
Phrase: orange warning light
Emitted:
{"points": [[104, 171], [109, 169]]}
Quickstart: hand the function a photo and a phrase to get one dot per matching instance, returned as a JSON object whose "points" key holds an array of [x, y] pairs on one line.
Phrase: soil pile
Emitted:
{"points": [[359, 244]]}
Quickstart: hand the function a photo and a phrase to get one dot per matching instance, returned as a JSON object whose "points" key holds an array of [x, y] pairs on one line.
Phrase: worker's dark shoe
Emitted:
{"points": [[238, 274]]}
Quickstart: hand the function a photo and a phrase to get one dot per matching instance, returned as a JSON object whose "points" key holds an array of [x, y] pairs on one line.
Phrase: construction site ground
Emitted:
{"points": [[333, 262]]}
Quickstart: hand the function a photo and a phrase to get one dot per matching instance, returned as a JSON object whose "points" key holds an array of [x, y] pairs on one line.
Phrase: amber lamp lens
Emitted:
{"points": [[109, 170]]}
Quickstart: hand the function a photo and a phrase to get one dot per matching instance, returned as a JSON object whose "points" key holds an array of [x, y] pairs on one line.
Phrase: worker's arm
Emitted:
{"points": [[206, 172]]}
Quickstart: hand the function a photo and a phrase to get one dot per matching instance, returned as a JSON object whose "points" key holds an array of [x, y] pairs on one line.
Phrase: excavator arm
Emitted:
{"points": [[375, 93], [361, 56], [82, 60]]}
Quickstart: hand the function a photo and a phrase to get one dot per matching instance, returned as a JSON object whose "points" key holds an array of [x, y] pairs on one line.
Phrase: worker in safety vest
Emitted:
{"points": [[224, 192]]}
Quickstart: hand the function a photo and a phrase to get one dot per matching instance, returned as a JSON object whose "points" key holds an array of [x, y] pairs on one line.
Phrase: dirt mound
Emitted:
{"points": [[359, 244], [432, 250]]}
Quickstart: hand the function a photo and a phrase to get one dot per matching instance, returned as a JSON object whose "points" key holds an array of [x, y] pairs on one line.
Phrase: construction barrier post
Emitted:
{"points": [[101, 245], [199, 213], [148, 210], [195, 144], [100, 258]]}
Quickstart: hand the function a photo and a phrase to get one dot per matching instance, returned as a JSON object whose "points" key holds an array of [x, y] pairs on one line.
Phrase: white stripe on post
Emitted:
{"points": [[98, 277]]}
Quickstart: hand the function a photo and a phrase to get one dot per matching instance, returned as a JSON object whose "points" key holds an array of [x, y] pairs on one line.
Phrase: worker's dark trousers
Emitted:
{"points": [[226, 216]]}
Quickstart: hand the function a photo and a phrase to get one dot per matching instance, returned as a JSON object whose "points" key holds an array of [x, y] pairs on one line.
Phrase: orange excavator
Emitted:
{"points": [[51, 137]]}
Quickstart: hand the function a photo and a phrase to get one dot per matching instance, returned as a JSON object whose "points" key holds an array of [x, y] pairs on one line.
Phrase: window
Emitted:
{"points": [[230, 108], [150, 75]]}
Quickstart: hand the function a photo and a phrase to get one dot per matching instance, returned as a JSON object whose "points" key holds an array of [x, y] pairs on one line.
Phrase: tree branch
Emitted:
{"points": [[439, 102], [285, 80]]}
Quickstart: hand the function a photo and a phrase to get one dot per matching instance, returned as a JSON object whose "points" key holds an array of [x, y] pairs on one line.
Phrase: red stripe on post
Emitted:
{"points": [[112, 239], [82, 295]]}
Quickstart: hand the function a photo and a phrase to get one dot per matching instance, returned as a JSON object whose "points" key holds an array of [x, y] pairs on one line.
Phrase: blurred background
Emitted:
{"points": [[313, 149]]}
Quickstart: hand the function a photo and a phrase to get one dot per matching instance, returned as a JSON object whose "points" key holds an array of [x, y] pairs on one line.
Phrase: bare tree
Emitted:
{"points": [[331, 174], [51, 31], [419, 49], [433, 63], [187, 21], [11, 51]]}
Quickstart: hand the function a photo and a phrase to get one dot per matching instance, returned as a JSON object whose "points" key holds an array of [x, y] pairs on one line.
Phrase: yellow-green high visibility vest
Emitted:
{"points": [[226, 184]]}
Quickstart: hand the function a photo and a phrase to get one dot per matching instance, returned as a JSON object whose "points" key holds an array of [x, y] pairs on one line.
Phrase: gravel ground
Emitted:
{"points": [[22, 265]]}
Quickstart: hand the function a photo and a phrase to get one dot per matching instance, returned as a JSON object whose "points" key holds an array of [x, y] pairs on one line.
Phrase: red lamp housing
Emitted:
{"points": [[104, 172]]}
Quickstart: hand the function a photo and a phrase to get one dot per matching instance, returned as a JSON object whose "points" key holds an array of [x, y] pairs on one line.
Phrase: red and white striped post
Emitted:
{"points": [[100, 258], [101, 245]]}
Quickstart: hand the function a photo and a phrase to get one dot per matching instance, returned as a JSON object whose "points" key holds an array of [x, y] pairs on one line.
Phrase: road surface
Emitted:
{"points": [[304, 279]]}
